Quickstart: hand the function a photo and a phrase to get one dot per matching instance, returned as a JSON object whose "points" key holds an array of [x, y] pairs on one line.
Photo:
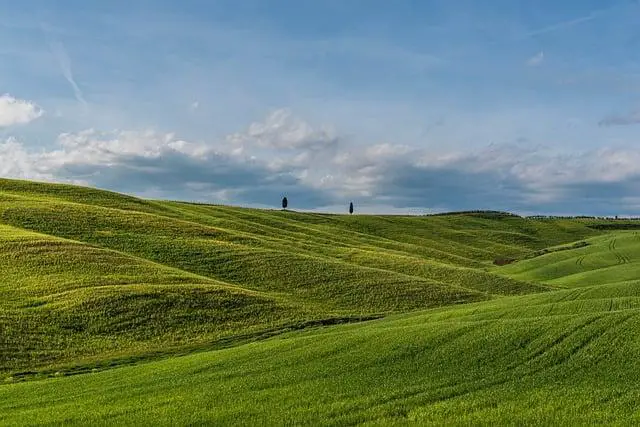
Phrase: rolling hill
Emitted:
{"points": [[606, 259], [564, 358], [91, 280]]}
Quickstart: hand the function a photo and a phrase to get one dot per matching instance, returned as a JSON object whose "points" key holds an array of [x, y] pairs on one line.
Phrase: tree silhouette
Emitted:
{"points": [[285, 203], [351, 208]]}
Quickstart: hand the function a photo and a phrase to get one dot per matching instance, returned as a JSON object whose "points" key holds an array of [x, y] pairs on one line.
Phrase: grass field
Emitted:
{"points": [[177, 313]]}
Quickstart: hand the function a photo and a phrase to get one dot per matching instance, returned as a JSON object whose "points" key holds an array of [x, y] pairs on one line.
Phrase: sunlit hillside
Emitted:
{"points": [[181, 313]]}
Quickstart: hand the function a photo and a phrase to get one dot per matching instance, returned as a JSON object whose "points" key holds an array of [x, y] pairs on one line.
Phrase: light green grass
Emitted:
{"points": [[607, 259], [91, 280], [561, 358]]}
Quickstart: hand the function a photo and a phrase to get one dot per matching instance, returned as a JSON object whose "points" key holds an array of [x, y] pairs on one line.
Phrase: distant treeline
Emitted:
{"points": [[601, 218], [479, 213], [623, 226]]}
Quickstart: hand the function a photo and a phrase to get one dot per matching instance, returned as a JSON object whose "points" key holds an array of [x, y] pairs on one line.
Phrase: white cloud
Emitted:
{"points": [[16, 111], [282, 130], [93, 147], [315, 168], [16, 162]]}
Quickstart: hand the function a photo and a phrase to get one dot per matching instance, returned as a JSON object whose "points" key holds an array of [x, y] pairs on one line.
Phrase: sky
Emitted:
{"points": [[401, 107]]}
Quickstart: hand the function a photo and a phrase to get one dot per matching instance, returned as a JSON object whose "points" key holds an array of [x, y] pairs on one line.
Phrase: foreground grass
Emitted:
{"points": [[565, 357]]}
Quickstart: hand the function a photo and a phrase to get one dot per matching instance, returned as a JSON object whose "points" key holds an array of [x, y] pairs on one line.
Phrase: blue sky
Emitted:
{"points": [[405, 106]]}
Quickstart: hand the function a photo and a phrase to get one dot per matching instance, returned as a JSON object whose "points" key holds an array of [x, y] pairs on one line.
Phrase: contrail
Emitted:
{"points": [[560, 25], [60, 54], [572, 22]]}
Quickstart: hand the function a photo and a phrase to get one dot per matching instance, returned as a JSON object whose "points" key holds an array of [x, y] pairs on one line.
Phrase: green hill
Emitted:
{"points": [[91, 279], [68, 301], [561, 358], [606, 259]]}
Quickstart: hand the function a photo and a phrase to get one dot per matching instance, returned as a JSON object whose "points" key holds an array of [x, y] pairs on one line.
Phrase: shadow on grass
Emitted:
{"points": [[219, 344]]}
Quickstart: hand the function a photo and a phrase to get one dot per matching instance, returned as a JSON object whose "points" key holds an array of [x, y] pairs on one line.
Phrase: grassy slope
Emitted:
{"points": [[607, 259], [67, 301], [566, 357], [80, 267]]}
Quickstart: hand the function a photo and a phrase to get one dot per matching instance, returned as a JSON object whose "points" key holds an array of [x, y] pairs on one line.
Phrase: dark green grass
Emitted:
{"points": [[64, 301]]}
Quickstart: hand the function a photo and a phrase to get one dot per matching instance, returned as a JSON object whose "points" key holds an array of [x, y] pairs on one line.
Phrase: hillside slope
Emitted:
{"points": [[612, 258], [563, 358], [90, 280], [90, 275], [67, 301]]}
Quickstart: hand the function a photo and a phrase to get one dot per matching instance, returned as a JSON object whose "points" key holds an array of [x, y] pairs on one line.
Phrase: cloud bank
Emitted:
{"points": [[317, 167]]}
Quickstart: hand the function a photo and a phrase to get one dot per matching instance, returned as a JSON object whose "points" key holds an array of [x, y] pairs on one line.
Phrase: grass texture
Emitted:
{"points": [[221, 315]]}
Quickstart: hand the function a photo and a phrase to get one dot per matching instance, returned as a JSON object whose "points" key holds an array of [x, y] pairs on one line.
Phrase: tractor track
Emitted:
{"points": [[620, 257]]}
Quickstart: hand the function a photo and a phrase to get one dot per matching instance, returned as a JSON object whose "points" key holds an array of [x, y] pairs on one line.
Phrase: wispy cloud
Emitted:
{"points": [[64, 62], [632, 118], [536, 59], [561, 25]]}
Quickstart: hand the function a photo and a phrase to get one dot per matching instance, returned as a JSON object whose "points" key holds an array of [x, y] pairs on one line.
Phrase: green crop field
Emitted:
{"points": [[116, 310]]}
